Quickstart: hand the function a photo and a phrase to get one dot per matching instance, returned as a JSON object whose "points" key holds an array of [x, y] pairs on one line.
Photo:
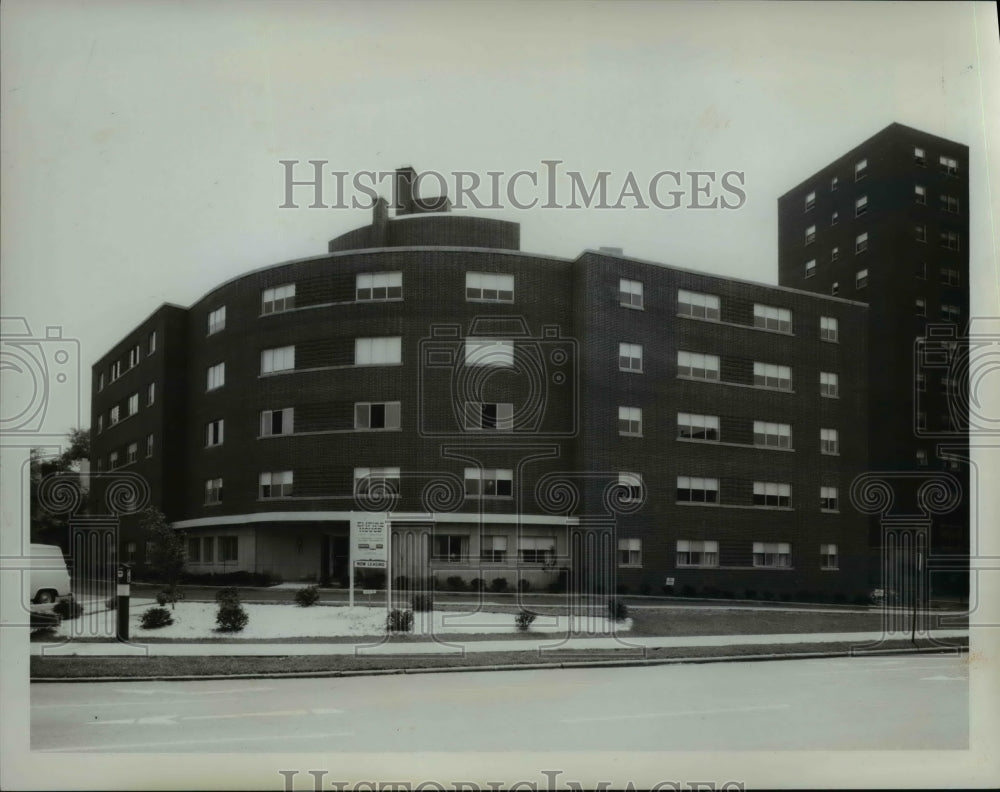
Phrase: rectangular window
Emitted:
{"points": [[277, 422], [772, 435], [769, 375], [949, 277], [133, 404], [537, 549], [829, 384], [861, 206], [631, 485], [950, 313], [115, 371], [376, 415], [835, 288], [949, 204], [630, 552], [771, 318], [277, 484], [919, 156], [376, 481], [921, 420], [114, 415], [489, 483], [489, 415], [208, 548], [130, 552], [695, 489], [860, 169], [630, 357], [861, 243], [920, 194], [277, 299], [861, 279], [133, 452], [378, 351], [216, 376], [810, 235], [691, 426], [948, 165], [378, 286], [275, 360], [149, 446], [133, 356], [100, 424], [213, 491], [112, 460], [834, 218], [828, 556], [630, 293], [772, 554], [151, 343], [950, 240], [834, 253], [453, 548], [701, 306], [920, 270], [217, 320], [489, 287], [810, 200], [834, 181], [772, 494], [698, 366], [828, 499], [829, 328], [810, 268], [229, 548], [99, 464], [920, 307], [214, 433], [493, 549], [920, 232], [921, 458], [150, 394], [630, 421], [194, 550], [489, 352], [697, 553], [829, 441]]}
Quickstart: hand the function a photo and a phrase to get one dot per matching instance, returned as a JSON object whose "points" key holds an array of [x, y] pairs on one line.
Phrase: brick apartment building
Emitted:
{"points": [[887, 224], [517, 415]]}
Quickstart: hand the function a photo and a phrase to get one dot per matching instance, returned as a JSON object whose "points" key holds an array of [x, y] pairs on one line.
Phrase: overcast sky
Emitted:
{"points": [[141, 140]]}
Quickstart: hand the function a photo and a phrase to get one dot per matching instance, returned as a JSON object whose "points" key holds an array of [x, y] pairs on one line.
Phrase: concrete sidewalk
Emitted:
{"points": [[376, 648]]}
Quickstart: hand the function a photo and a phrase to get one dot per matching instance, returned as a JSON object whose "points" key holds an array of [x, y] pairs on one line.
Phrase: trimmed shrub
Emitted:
{"points": [[68, 609], [668, 590], [621, 588], [228, 594], [560, 584], [111, 603], [242, 577], [839, 598], [477, 584], [231, 617], [499, 584], [400, 582], [306, 596], [617, 609], [861, 599], [422, 602], [688, 591], [455, 583], [524, 619], [154, 618], [767, 594], [399, 621], [524, 585], [785, 596], [750, 594], [169, 596], [644, 589]]}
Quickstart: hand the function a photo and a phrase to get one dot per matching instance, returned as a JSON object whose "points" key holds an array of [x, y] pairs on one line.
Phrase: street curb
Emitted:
{"points": [[959, 649]]}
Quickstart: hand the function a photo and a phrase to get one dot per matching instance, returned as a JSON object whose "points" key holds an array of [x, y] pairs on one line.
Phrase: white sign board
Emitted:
{"points": [[369, 540]]}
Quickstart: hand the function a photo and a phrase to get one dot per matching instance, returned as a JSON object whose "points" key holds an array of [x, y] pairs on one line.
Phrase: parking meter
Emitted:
{"points": [[123, 579]]}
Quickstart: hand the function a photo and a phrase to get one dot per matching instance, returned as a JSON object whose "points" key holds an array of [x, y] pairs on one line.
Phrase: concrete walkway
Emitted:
{"points": [[375, 648]]}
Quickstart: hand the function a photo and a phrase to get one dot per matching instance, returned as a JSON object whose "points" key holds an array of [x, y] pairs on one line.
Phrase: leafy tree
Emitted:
{"points": [[48, 528], [166, 557]]}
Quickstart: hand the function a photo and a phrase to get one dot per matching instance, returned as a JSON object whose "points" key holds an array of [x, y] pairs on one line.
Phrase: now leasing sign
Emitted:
{"points": [[370, 540]]}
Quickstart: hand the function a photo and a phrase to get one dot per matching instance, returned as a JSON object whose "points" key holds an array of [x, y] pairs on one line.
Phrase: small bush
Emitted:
{"points": [[499, 584], [839, 598], [688, 591], [767, 594], [617, 609], [240, 578], [455, 583], [621, 588], [422, 602], [750, 594], [644, 589], [306, 596], [524, 585], [169, 596], [228, 595], [668, 590], [400, 582], [785, 596], [399, 621], [477, 584], [154, 618], [231, 617], [524, 619], [111, 603], [68, 609], [861, 599]]}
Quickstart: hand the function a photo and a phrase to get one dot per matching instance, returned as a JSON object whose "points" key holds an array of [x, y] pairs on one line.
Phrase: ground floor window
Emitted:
{"points": [[451, 547], [194, 550], [828, 556], [130, 553], [704, 553], [228, 548], [494, 549], [772, 554], [630, 552], [537, 549], [208, 548]]}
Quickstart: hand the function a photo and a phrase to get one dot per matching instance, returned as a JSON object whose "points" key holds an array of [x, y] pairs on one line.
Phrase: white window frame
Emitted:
{"points": [[920, 194], [489, 287], [536, 549], [447, 554], [829, 385], [114, 415], [213, 491], [860, 169], [383, 480], [810, 235], [708, 487], [699, 305], [286, 419], [632, 485], [629, 421], [948, 165], [771, 317], [768, 434], [378, 351], [772, 555], [493, 549], [810, 201], [861, 242], [829, 442], [696, 553], [630, 552], [217, 320], [215, 433], [699, 366], [828, 556], [477, 418], [691, 425], [630, 293], [133, 356], [810, 268], [132, 453], [277, 299], [151, 343], [378, 286], [215, 376], [274, 484], [630, 357], [919, 156], [861, 205], [493, 352], [772, 376], [775, 495], [489, 483], [150, 443], [861, 278], [150, 394], [133, 404], [391, 416], [829, 499], [277, 360], [829, 329]]}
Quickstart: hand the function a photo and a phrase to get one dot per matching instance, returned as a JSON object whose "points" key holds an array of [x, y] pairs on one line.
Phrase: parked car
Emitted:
{"points": [[49, 575], [884, 597]]}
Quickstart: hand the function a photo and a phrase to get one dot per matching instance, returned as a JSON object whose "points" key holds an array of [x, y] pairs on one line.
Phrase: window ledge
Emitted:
{"points": [[633, 307]]}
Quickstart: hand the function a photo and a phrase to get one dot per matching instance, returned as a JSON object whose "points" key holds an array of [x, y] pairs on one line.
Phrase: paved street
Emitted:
{"points": [[913, 702]]}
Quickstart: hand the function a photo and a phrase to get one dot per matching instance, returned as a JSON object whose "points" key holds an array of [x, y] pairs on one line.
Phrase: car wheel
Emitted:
{"points": [[45, 597]]}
